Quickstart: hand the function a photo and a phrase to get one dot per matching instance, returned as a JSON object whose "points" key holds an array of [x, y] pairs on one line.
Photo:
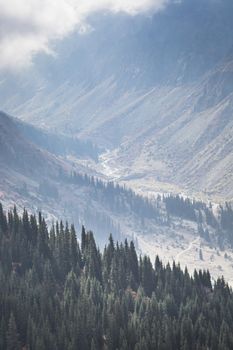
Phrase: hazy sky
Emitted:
{"points": [[28, 27]]}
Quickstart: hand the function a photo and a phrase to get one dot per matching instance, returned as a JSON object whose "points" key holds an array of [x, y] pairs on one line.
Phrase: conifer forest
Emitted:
{"points": [[59, 293]]}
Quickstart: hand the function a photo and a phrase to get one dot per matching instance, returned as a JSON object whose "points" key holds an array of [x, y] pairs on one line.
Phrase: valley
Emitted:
{"points": [[151, 113], [116, 175]]}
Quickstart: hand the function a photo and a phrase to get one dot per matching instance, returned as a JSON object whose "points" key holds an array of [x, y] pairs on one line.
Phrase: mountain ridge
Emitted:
{"points": [[125, 87]]}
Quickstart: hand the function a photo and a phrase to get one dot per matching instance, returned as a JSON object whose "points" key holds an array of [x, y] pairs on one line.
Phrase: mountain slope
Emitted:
{"points": [[61, 188], [186, 137], [19, 154], [33, 177], [161, 85]]}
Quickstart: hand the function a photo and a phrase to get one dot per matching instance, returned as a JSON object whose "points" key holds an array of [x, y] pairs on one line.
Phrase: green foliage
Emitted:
{"points": [[56, 295]]}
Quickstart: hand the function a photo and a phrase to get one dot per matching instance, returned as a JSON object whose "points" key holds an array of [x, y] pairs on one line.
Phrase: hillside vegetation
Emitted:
{"points": [[58, 294]]}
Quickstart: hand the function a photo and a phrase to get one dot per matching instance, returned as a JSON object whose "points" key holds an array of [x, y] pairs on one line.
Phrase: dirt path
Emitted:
{"points": [[188, 249]]}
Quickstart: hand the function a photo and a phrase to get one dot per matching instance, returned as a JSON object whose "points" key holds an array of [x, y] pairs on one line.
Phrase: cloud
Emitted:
{"points": [[29, 27]]}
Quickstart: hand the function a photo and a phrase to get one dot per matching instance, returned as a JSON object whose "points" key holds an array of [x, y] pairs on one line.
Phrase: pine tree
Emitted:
{"points": [[112, 301], [12, 335]]}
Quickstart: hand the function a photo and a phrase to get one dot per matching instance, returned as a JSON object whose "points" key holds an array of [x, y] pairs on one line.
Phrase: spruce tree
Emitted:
{"points": [[12, 335]]}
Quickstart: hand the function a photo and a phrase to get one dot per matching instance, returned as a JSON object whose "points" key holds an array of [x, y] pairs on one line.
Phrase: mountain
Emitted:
{"points": [[145, 102], [159, 84], [125, 128], [186, 137], [192, 233], [38, 175], [57, 183]]}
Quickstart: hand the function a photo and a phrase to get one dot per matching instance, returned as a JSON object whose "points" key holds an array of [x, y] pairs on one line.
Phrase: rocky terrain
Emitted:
{"points": [[160, 104]]}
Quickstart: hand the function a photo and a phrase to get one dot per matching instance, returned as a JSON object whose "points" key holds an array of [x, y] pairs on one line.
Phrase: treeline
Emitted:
{"points": [[120, 200], [58, 294], [199, 212], [226, 222], [116, 198], [188, 209]]}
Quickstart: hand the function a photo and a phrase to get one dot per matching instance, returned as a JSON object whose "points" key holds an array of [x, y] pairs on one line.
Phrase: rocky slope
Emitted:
{"points": [[157, 92], [162, 104]]}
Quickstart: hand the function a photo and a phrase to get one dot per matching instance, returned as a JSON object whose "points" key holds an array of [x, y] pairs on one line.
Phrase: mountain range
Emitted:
{"points": [[161, 85], [38, 176], [145, 102]]}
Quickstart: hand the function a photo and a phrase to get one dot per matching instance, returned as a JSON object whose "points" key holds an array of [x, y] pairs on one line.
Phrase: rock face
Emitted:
{"points": [[157, 92]]}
